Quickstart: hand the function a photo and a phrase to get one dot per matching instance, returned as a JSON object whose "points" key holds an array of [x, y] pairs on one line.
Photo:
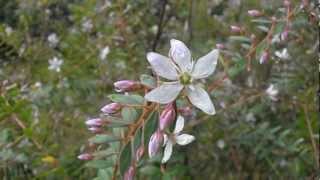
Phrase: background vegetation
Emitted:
{"points": [[253, 136]]}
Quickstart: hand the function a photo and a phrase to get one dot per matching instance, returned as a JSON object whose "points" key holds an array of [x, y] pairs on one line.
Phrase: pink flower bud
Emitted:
{"points": [[185, 111], [264, 57], [95, 122], [111, 108], [286, 3], [156, 141], [284, 34], [254, 13], [85, 156], [130, 173], [235, 29], [126, 85], [139, 153], [167, 116], [220, 46], [95, 130]]}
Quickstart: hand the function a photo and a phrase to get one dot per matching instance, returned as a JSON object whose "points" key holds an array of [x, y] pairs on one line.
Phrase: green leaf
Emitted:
{"points": [[127, 99], [99, 164], [239, 66], [129, 114], [103, 138], [240, 38], [125, 158], [148, 81]]}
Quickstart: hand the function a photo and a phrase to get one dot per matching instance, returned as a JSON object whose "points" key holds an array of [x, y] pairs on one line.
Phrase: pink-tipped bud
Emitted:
{"points": [[264, 57], [220, 46], [111, 108], [95, 122], [85, 156], [95, 130], [284, 34], [139, 153], [129, 174], [156, 141], [254, 13], [235, 29], [185, 111], [167, 116], [126, 85]]}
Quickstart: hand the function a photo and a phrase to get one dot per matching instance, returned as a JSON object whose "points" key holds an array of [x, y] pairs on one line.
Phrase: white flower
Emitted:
{"points": [[276, 39], [55, 64], [8, 30], [221, 144], [87, 25], [175, 138], [183, 71], [53, 40], [272, 92], [104, 52], [282, 54]]}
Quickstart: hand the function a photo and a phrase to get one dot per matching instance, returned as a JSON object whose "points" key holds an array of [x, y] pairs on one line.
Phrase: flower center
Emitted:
{"points": [[185, 78]]}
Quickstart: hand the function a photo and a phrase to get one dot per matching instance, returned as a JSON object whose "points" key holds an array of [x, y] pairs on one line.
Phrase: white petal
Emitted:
{"points": [[167, 152], [179, 125], [200, 98], [165, 139], [206, 65], [184, 139], [162, 65], [165, 93], [180, 55]]}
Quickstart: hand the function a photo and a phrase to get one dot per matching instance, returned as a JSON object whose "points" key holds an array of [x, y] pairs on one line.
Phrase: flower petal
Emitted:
{"points": [[200, 98], [165, 93], [179, 125], [162, 65], [180, 55], [206, 65], [184, 139], [167, 152]]}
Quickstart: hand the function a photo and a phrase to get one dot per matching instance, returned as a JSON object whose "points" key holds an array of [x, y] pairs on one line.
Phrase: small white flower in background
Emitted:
{"points": [[55, 64], [104, 52], [53, 40], [175, 138], [221, 144], [250, 118], [272, 92], [283, 54], [183, 71], [276, 39], [8, 30], [87, 25]]}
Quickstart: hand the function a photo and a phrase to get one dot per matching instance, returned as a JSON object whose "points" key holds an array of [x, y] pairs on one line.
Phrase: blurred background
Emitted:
{"points": [[59, 59]]}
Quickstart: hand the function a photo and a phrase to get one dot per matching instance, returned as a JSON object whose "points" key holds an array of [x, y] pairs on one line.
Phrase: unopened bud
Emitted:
{"points": [[126, 85], [85, 156], [220, 46], [167, 116], [286, 3], [235, 29], [254, 13], [130, 173], [284, 34], [139, 153], [264, 57], [156, 141], [111, 108], [95, 130], [95, 122]]}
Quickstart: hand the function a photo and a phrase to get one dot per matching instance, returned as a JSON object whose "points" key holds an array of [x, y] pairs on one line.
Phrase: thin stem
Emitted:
{"points": [[160, 25]]}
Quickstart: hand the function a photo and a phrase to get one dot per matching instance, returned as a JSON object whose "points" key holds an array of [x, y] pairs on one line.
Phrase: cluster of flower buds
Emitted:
{"points": [[127, 86]]}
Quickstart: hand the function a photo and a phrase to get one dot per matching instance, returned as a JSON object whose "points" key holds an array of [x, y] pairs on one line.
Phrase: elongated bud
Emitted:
{"points": [[95, 122], [130, 173], [284, 34], [167, 116], [95, 130], [85, 156], [220, 46], [264, 57], [156, 141], [235, 29], [111, 108], [254, 13], [139, 153], [126, 86]]}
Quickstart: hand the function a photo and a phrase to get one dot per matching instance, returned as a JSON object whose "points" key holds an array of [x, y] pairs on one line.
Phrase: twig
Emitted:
{"points": [[160, 25]]}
